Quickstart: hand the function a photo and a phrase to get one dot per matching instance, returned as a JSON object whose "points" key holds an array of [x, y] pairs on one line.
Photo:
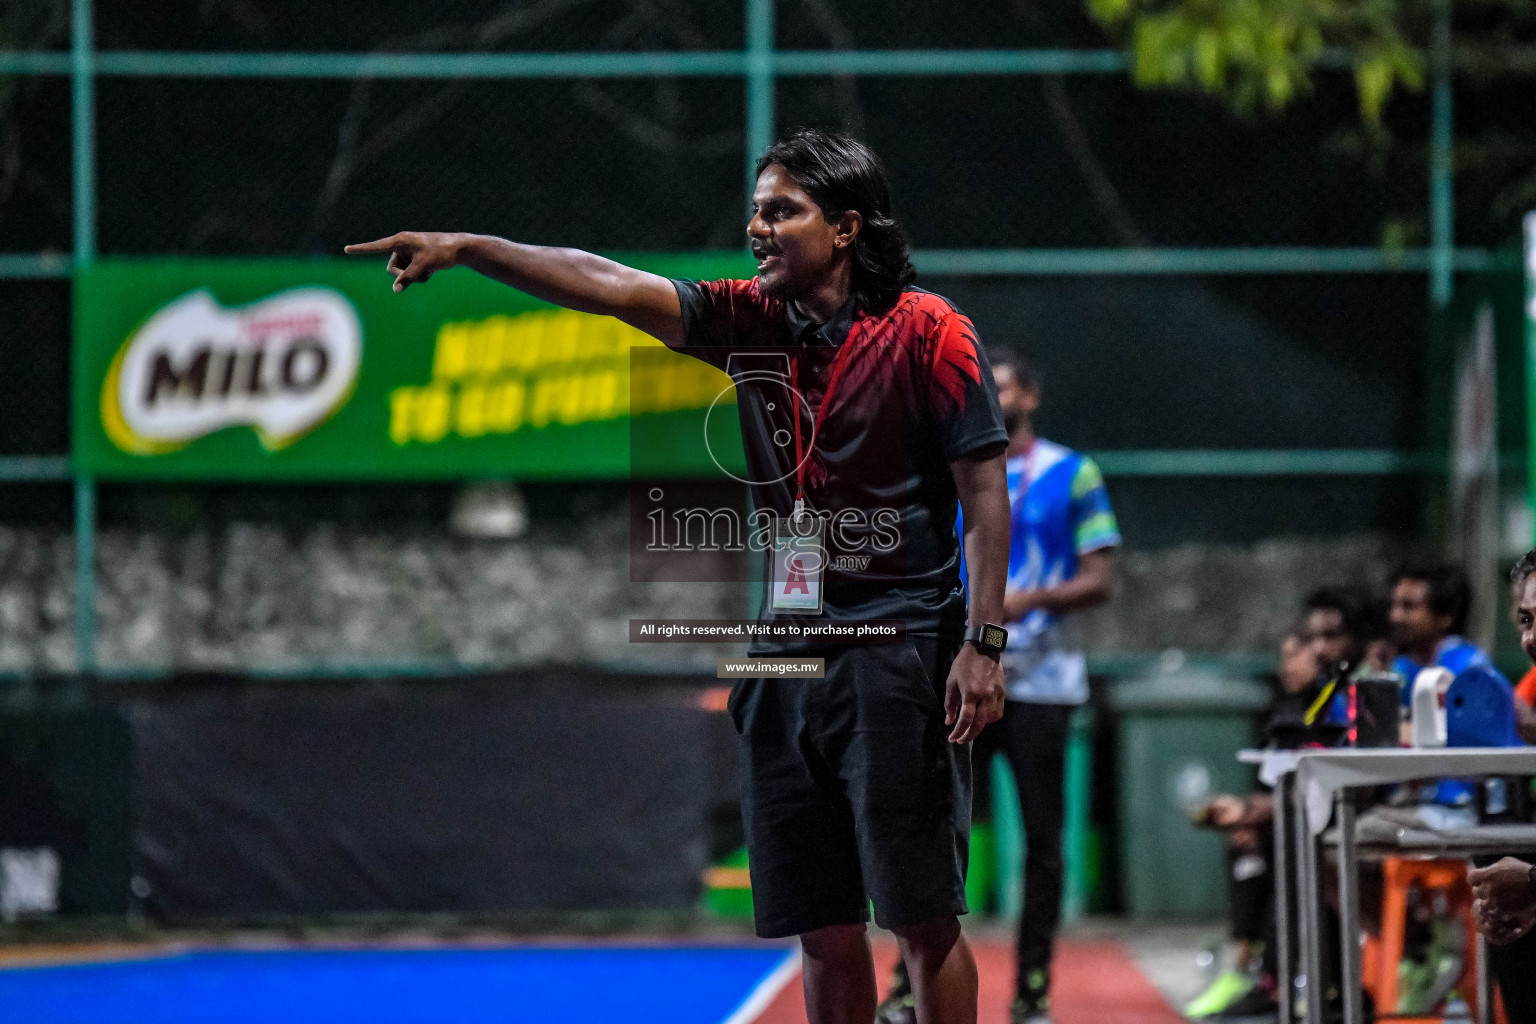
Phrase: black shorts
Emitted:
{"points": [[851, 792]]}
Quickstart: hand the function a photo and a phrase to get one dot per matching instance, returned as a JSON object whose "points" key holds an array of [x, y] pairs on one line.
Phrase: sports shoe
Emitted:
{"points": [[898, 1007], [897, 1010], [1224, 991], [1256, 1004], [1022, 1012]]}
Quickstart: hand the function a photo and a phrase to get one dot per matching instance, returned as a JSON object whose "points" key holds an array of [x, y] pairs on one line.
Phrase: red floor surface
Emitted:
{"points": [[1094, 982]]}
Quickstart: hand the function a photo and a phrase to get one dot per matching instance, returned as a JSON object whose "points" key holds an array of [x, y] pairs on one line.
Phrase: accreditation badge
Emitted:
{"points": [[799, 564]]}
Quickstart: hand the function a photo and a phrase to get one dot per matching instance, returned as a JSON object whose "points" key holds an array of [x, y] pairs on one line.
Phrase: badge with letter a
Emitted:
{"points": [[799, 564]]}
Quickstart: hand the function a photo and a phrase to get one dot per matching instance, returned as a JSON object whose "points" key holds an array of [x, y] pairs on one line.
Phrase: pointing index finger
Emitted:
{"points": [[381, 245]]}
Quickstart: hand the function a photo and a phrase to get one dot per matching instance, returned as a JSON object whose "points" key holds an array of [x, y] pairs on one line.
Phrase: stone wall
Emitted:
{"points": [[1226, 599], [262, 597], [257, 596]]}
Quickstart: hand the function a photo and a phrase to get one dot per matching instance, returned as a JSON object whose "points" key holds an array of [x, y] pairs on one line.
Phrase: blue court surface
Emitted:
{"points": [[577, 985]]}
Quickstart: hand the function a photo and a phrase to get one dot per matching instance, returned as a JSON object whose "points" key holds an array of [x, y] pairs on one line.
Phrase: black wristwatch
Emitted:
{"points": [[989, 638]]}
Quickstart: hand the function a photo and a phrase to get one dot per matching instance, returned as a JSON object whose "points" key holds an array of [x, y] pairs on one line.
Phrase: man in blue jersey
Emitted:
{"points": [[1430, 604], [1063, 537], [1429, 610]]}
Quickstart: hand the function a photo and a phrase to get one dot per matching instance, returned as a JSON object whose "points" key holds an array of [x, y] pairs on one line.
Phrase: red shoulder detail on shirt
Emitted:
{"points": [[901, 323], [739, 313], [935, 337], [956, 363], [735, 291], [747, 293], [935, 305]]}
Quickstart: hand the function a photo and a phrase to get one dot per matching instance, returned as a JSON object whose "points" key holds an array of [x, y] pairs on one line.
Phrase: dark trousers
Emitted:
{"points": [[1033, 737], [1251, 894], [1514, 968], [1251, 888]]}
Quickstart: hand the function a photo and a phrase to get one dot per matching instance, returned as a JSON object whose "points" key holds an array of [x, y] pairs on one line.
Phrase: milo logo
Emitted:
{"points": [[281, 366]]}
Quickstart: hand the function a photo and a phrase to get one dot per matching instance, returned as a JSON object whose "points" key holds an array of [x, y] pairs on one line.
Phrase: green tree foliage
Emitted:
{"points": [[1261, 57], [1261, 54]]}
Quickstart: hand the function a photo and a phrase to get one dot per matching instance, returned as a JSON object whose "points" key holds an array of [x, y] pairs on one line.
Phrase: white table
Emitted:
{"points": [[1311, 784]]}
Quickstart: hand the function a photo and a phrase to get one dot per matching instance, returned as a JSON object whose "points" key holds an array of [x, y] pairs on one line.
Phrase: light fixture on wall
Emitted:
{"points": [[491, 510]]}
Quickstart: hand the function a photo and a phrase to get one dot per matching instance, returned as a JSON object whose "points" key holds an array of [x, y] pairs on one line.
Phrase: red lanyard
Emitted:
{"points": [[802, 456]]}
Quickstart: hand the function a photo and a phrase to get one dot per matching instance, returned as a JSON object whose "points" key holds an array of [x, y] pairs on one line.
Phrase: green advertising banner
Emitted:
{"points": [[316, 369]]}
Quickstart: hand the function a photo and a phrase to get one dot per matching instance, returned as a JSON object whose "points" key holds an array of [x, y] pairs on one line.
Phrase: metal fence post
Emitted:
{"points": [[1442, 199], [85, 573], [759, 134], [83, 82]]}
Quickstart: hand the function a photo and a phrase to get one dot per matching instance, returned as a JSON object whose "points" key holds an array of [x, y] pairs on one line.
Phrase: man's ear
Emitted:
{"points": [[848, 226]]}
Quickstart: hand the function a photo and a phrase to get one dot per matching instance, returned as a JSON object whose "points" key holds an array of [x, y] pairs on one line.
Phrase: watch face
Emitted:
{"points": [[994, 636]]}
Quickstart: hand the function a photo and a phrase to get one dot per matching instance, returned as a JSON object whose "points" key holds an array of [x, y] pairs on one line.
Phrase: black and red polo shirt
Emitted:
{"points": [[911, 393]]}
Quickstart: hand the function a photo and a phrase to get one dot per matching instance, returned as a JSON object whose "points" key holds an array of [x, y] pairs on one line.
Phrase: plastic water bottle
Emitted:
{"points": [[1429, 688]]}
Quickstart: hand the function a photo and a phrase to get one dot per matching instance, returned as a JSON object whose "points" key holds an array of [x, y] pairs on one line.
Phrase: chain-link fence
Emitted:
{"points": [[263, 141]]}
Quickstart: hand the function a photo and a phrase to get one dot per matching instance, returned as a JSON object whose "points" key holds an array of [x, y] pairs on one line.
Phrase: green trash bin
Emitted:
{"points": [[1179, 732]]}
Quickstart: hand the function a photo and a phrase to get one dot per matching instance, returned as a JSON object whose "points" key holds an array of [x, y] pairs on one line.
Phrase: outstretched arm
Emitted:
{"points": [[566, 277]]}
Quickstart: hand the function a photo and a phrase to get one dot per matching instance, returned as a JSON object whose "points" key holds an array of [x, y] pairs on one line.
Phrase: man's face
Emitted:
{"points": [[1525, 615], [1018, 402], [1325, 637], [1414, 623], [1298, 666], [795, 245]]}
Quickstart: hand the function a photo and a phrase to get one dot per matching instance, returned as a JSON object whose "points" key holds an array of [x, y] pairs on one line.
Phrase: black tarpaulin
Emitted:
{"points": [[497, 794]]}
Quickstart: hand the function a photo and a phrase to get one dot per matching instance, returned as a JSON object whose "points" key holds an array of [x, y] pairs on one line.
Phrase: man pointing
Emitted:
{"points": [[867, 411]]}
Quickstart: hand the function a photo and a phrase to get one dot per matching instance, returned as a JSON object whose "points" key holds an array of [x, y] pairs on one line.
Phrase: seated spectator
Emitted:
{"points": [[1430, 605], [1343, 631], [1525, 690], [1332, 637]]}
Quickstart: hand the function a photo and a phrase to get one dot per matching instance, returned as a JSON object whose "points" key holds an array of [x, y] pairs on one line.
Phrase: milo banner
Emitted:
{"points": [[297, 369]]}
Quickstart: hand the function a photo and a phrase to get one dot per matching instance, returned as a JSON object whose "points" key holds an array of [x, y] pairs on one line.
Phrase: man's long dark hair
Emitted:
{"points": [[842, 174]]}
